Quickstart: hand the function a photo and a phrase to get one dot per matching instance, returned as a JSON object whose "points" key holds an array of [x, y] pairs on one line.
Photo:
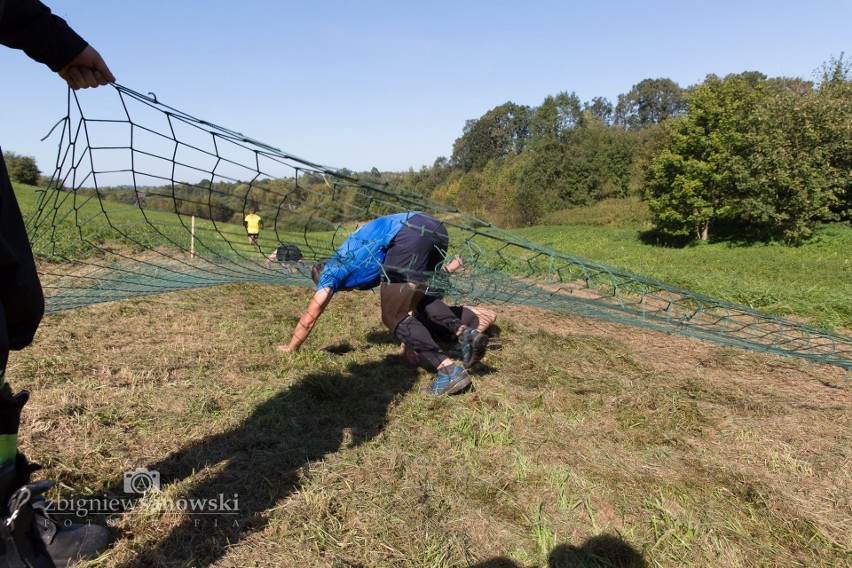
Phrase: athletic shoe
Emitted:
{"points": [[28, 536], [20, 544], [449, 383], [472, 345], [454, 352], [68, 544]]}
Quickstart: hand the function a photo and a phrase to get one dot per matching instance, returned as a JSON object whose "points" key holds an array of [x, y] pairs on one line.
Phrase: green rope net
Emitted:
{"points": [[146, 199]]}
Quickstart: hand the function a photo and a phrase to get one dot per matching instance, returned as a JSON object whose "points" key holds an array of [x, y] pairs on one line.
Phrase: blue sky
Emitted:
{"points": [[389, 84]]}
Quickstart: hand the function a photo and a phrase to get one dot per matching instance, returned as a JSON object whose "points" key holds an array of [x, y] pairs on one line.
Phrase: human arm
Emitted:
{"points": [[306, 323], [30, 26]]}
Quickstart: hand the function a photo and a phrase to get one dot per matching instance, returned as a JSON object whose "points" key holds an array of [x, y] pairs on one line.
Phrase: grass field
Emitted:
{"points": [[126, 224], [812, 281], [583, 443]]}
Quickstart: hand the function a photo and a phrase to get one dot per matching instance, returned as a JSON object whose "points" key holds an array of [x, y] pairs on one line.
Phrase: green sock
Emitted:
{"points": [[8, 448], [8, 440]]}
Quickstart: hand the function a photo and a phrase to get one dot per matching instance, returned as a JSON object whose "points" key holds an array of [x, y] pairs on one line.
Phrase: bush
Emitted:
{"points": [[22, 169]]}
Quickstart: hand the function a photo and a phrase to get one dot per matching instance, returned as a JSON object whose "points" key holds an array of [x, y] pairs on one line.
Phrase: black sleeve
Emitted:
{"points": [[30, 26]]}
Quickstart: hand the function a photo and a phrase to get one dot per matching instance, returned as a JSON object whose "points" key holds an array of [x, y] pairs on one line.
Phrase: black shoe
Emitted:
{"points": [[36, 537], [21, 545], [472, 345], [67, 544], [29, 537]]}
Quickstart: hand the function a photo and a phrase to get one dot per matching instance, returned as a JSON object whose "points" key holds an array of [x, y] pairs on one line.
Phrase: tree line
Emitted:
{"points": [[308, 201], [742, 156]]}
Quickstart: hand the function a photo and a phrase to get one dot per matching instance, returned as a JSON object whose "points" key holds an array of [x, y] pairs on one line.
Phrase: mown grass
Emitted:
{"points": [[583, 444], [811, 281]]}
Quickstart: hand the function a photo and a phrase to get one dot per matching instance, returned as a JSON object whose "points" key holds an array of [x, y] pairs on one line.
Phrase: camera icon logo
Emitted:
{"points": [[141, 480]]}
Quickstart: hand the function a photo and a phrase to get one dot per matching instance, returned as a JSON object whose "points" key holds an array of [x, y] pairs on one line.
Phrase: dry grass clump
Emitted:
{"points": [[583, 444]]}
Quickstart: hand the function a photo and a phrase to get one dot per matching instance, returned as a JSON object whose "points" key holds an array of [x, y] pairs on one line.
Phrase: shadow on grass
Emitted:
{"points": [[340, 349], [261, 460], [656, 237], [382, 337], [602, 551], [732, 233]]}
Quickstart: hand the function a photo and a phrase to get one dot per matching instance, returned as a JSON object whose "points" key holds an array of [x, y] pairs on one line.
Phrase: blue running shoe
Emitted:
{"points": [[449, 383], [472, 345]]}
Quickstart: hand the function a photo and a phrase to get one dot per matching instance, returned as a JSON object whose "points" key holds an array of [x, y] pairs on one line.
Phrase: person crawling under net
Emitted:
{"points": [[400, 253], [286, 254]]}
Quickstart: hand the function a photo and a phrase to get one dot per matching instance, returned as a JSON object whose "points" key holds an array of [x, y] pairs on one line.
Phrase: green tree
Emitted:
{"points": [[833, 109], [786, 185], [692, 182], [542, 185], [428, 178], [600, 108], [576, 158], [556, 118], [500, 132], [22, 169], [651, 101], [765, 157], [470, 192], [648, 143]]}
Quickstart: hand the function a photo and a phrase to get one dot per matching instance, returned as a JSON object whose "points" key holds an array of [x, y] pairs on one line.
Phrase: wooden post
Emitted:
{"points": [[192, 239]]}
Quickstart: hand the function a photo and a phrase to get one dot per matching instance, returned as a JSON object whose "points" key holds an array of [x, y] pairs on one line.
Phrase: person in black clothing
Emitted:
{"points": [[415, 256], [286, 254], [26, 537]]}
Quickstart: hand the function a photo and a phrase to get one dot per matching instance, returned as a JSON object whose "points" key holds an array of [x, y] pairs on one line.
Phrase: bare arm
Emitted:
{"points": [[306, 323]]}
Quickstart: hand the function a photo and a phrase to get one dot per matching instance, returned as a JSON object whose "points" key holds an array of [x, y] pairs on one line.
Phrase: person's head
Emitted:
{"points": [[316, 272], [252, 210]]}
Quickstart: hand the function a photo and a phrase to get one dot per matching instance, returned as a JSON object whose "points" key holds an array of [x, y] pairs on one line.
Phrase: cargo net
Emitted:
{"points": [[147, 199]]}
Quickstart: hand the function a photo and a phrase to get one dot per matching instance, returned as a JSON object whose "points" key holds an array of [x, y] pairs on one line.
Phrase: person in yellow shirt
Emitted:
{"points": [[253, 224]]}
